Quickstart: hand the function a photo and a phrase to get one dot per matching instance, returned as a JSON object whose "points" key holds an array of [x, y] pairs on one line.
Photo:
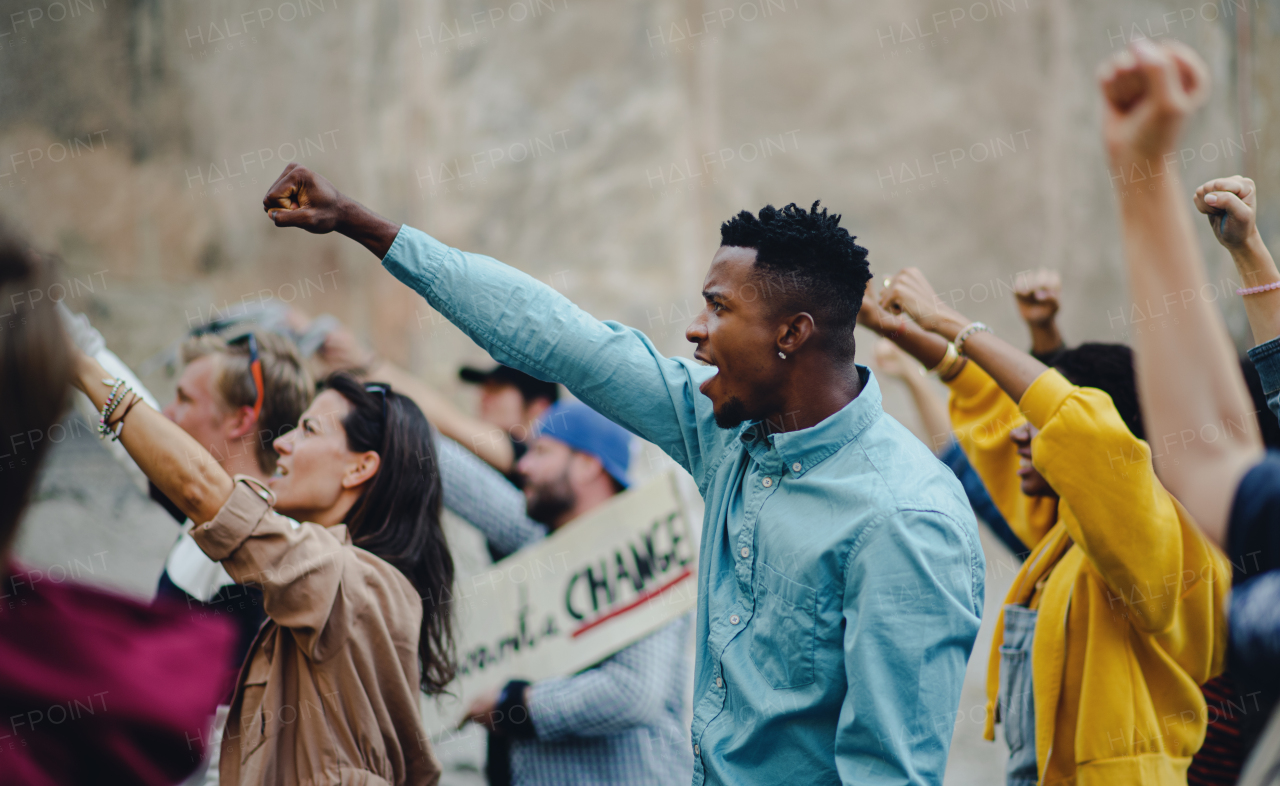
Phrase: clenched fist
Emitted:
{"points": [[1148, 91], [1037, 294], [302, 198], [1231, 205]]}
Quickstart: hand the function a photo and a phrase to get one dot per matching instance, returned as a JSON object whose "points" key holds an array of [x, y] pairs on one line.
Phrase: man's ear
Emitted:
{"points": [[795, 332], [584, 468], [243, 423], [362, 470]]}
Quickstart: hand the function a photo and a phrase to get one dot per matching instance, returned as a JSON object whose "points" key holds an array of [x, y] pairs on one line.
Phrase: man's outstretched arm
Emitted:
{"points": [[522, 322]]}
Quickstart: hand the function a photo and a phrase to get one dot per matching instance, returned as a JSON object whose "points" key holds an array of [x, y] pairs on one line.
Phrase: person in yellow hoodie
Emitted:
{"points": [[1116, 617]]}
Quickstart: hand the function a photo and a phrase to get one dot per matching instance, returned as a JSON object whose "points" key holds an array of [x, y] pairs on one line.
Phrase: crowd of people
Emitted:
{"points": [[303, 610]]}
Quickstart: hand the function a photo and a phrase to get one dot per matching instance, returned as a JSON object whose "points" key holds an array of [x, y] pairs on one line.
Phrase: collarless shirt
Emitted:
{"points": [[840, 578]]}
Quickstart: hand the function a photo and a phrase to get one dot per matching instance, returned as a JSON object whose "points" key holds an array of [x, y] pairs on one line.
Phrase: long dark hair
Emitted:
{"points": [[397, 517]]}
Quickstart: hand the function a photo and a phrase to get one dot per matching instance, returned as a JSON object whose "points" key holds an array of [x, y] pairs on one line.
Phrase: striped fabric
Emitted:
{"points": [[1218, 761]]}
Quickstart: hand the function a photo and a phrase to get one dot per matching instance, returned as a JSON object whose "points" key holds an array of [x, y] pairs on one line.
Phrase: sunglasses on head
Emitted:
{"points": [[255, 370], [382, 391]]}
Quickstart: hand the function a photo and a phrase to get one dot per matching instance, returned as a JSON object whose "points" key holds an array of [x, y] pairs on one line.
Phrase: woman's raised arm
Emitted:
{"points": [[170, 457]]}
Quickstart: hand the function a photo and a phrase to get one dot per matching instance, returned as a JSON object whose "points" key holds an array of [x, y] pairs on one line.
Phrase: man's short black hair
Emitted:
{"points": [[806, 261], [1109, 368]]}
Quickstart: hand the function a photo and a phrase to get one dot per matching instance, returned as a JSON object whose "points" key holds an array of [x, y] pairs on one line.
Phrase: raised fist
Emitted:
{"points": [[874, 318], [909, 292], [1148, 90], [1231, 205], [302, 198], [1037, 295]]}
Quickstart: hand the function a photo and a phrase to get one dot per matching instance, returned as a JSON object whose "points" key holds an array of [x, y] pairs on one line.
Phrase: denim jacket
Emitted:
{"points": [[840, 576]]}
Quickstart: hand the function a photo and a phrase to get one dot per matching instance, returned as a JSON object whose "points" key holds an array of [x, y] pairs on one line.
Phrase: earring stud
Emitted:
{"points": [[782, 354]]}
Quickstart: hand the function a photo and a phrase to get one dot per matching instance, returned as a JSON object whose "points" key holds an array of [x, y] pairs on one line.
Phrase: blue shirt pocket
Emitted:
{"points": [[783, 629]]}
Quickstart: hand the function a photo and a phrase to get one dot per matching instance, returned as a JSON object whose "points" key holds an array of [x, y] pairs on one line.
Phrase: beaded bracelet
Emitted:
{"points": [[115, 435], [1260, 288], [104, 423], [969, 330], [114, 400], [107, 408]]}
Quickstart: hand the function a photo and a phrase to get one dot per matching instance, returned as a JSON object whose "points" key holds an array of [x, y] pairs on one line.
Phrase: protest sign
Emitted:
{"points": [[594, 586]]}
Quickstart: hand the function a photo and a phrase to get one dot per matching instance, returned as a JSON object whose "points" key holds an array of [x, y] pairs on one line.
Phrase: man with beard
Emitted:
{"points": [[622, 720], [840, 578]]}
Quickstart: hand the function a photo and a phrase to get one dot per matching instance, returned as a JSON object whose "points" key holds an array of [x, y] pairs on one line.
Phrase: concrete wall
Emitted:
{"points": [[596, 145]]}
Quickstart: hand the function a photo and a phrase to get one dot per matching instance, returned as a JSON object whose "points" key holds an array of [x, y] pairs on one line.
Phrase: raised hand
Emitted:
{"points": [[909, 292], [1231, 205], [875, 318], [1148, 91], [302, 198], [1037, 295]]}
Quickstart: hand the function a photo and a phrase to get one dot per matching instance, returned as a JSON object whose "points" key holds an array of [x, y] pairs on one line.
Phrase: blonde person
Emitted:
{"points": [[329, 691], [1115, 619]]}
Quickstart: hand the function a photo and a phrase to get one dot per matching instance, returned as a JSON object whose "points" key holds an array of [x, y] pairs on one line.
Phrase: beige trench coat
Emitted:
{"points": [[329, 691]]}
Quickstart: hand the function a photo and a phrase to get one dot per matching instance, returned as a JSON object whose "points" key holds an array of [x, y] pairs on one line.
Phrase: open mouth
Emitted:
{"points": [[704, 361], [280, 471]]}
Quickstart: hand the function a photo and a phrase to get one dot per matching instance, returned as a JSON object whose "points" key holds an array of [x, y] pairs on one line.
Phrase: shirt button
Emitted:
{"points": [[767, 482], [746, 552], [796, 467], [735, 619], [697, 751], [719, 682]]}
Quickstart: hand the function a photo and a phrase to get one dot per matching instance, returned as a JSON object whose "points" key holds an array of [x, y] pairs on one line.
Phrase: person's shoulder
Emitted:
{"points": [[1254, 523], [906, 464], [384, 581]]}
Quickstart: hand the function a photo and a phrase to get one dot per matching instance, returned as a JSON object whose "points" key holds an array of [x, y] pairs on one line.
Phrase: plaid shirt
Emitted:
{"points": [[619, 722]]}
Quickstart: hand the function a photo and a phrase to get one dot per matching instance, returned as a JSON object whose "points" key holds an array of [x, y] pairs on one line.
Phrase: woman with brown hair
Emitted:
{"points": [[329, 691]]}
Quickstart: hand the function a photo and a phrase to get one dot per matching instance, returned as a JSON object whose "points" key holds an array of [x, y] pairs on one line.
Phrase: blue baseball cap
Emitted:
{"points": [[583, 429]]}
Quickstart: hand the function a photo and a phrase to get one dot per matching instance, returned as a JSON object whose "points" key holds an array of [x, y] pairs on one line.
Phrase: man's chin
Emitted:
{"points": [[731, 414]]}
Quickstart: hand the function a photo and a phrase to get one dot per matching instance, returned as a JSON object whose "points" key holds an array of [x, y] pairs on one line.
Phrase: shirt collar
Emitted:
{"points": [[806, 448]]}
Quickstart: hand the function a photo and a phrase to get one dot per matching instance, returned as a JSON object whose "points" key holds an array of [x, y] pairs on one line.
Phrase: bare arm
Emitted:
{"points": [[917, 342], [1231, 205], [170, 457], [1011, 368], [894, 362], [1038, 296], [1187, 373]]}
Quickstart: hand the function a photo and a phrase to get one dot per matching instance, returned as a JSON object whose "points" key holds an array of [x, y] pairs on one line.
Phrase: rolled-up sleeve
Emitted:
{"points": [[1266, 359], [527, 325], [311, 582]]}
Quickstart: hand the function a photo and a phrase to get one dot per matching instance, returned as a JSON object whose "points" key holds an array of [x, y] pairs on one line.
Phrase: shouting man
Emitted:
{"points": [[840, 576]]}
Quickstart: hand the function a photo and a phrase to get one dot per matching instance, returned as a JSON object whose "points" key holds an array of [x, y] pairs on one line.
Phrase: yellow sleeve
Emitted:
{"points": [[1111, 502], [982, 417]]}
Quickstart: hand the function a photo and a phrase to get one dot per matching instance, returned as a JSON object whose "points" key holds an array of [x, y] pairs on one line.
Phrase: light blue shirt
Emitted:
{"points": [[839, 575]]}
